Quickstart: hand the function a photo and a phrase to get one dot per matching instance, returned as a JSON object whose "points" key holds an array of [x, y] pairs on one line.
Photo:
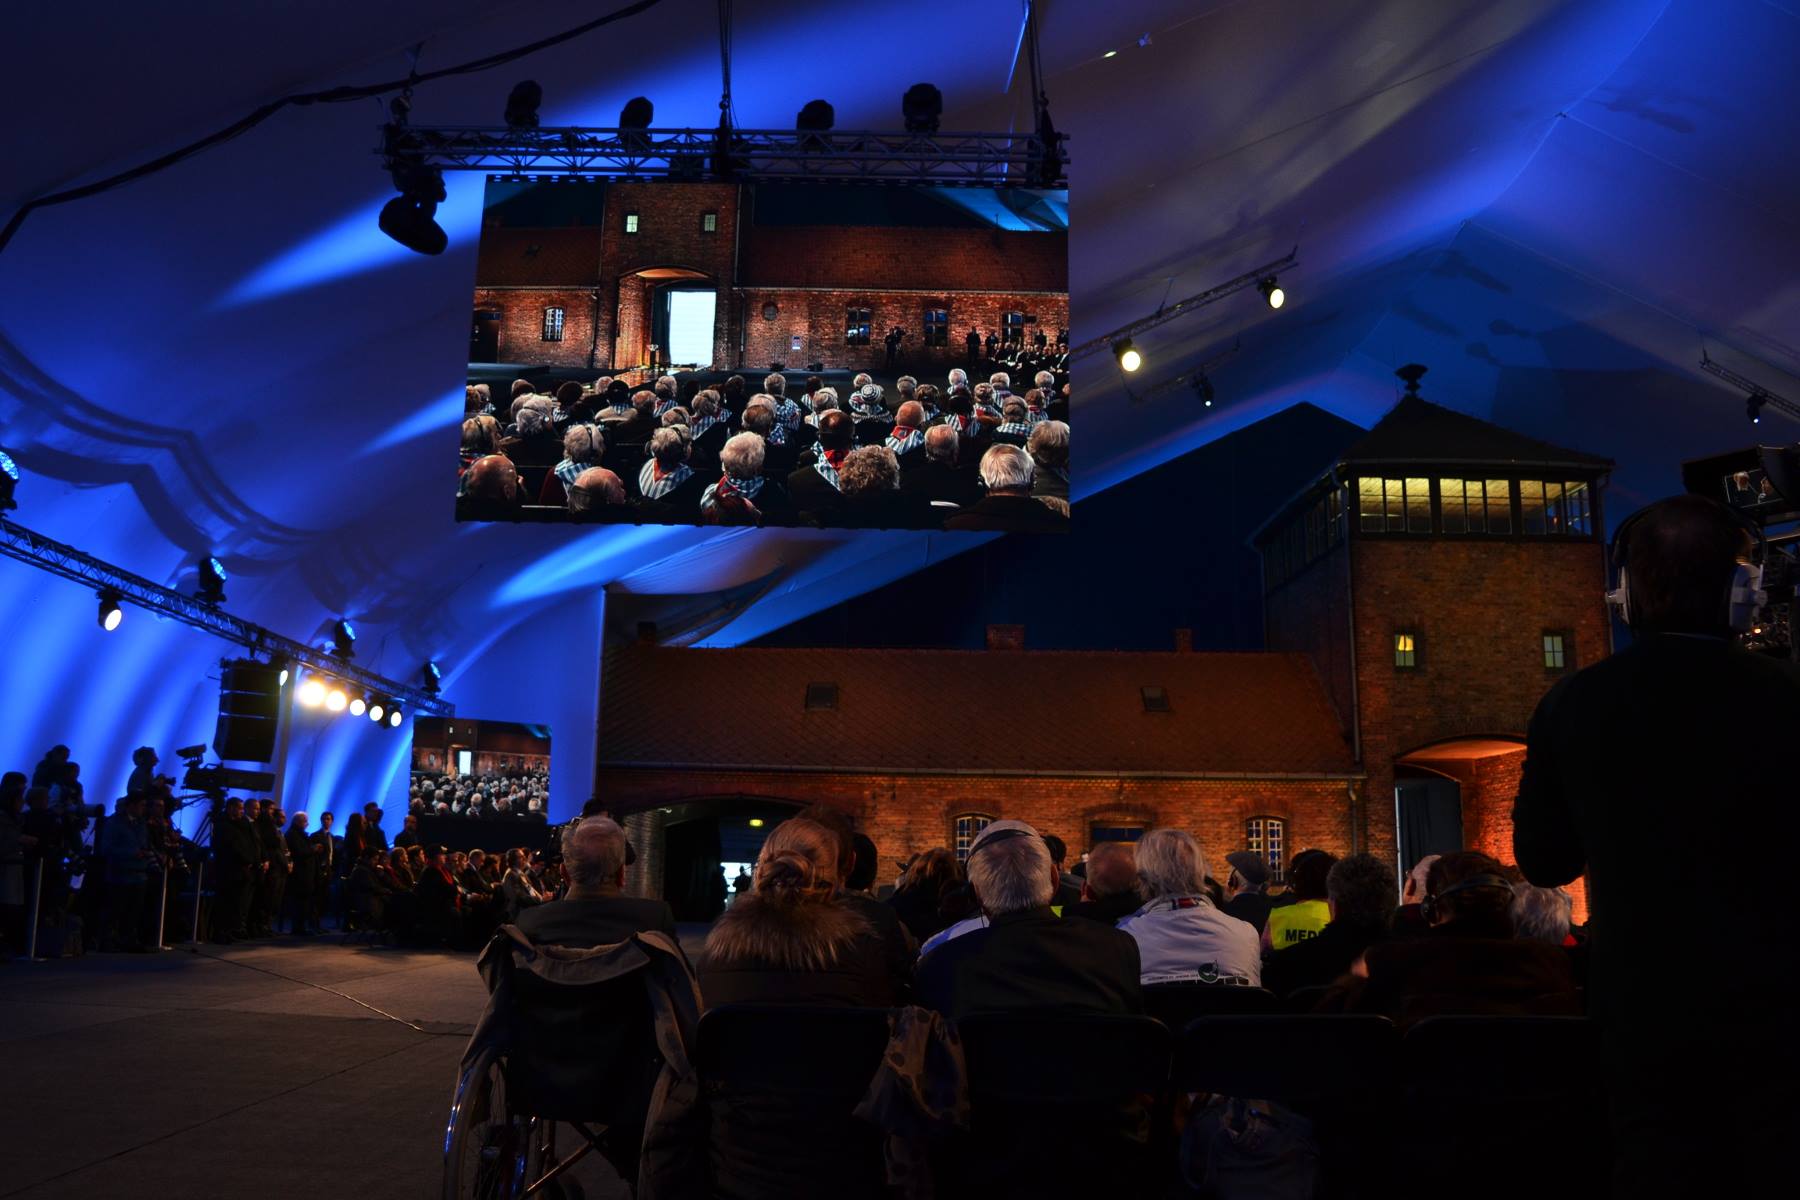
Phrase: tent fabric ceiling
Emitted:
{"points": [[1554, 203]]}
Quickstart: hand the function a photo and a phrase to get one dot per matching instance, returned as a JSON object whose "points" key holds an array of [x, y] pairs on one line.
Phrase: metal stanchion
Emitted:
{"points": [[162, 910], [199, 881], [37, 900]]}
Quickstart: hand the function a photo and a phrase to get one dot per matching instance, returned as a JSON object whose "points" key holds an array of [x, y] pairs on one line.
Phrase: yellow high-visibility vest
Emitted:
{"points": [[1290, 924]]}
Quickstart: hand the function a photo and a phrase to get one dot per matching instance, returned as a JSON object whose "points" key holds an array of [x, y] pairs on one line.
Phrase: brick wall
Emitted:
{"points": [[1310, 613], [818, 317], [908, 814], [881, 257], [522, 324]]}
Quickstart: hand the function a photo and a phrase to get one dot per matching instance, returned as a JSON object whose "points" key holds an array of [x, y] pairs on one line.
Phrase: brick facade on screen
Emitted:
{"points": [[811, 275]]}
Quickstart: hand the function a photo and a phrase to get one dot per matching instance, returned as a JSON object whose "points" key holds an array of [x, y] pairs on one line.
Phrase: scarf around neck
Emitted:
{"points": [[654, 483], [828, 464], [905, 438]]}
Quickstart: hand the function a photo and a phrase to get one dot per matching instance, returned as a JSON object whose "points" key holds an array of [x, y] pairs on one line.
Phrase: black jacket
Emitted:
{"points": [[1667, 753], [1108, 910], [235, 846], [1316, 961], [1453, 971], [1010, 514], [1033, 961], [600, 921], [749, 947], [1252, 907], [959, 485], [810, 491], [893, 509]]}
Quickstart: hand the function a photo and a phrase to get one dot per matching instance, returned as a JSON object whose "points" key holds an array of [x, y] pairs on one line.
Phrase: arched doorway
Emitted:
{"points": [[667, 316], [705, 842], [1456, 795]]}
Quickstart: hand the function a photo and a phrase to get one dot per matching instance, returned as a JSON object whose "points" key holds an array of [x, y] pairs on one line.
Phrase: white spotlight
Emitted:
{"points": [[358, 706], [394, 718], [376, 712], [336, 700], [312, 693]]}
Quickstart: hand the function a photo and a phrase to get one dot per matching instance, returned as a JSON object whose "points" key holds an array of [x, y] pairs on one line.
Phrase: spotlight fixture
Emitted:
{"points": [[1127, 354], [110, 611], [394, 718], [756, 822], [1753, 409], [522, 105], [634, 121], [358, 706], [816, 116], [922, 107], [343, 640], [1110, 54], [408, 217], [336, 699], [287, 672], [212, 582], [311, 693], [9, 479], [1271, 291], [1203, 388], [377, 710], [433, 676]]}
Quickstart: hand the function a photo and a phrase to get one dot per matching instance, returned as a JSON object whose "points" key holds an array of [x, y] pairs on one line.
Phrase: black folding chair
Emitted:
{"points": [[780, 1083], [1176, 1004], [1337, 1071], [1520, 1094], [1060, 1102]]}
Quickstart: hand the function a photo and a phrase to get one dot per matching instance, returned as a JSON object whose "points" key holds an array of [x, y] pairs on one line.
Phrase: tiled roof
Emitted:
{"points": [[961, 710], [538, 257], [1416, 430]]}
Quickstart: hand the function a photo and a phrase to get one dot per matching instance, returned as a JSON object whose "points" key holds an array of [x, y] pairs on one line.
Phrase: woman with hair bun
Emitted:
{"points": [[791, 941]]}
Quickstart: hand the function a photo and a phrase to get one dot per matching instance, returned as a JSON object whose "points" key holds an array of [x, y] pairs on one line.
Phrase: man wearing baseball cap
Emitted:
{"points": [[1027, 958], [1245, 898]]}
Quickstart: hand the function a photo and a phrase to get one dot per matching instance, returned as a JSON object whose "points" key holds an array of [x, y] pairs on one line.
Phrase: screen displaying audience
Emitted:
{"points": [[492, 770]]}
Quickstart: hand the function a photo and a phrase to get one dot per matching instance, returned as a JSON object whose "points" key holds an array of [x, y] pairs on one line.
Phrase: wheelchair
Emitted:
{"points": [[582, 1055]]}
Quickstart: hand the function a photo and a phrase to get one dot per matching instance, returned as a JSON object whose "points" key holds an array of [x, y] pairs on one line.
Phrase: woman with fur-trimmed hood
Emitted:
{"points": [[791, 941]]}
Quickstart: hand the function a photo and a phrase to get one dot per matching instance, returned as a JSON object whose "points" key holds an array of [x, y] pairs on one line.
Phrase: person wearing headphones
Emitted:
{"points": [[1673, 756]]}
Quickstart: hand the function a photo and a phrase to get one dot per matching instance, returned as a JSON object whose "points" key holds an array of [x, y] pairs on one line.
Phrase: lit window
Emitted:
{"points": [[937, 327], [1406, 650], [631, 222], [1394, 505], [966, 827], [1556, 652], [709, 222], [1267, 836], [856, 326], [1499, 505], [553, 324], [1555, 508]]}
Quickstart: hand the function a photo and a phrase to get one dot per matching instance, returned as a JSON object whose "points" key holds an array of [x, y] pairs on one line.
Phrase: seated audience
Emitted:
{"points": [[1181, 935], [1068, 888], [1359, 892], [869, 487], [583, 447], [868, 406], [1048, 446], [597, 493], [1109, 889], [795, 939], [490, 491], [1015, 423], [781, 453], [1303, 912], [1245, 897], [596, 911], [1468, 960], [1027, 958], [633, 426], [938, 477], [708, 430], [480, 438], [919, 899], [1007, 472], [439, 898], [1407, 919], [667, 478], [519, 887], [1542, 914], [898, 949], [907, 438], [743, 495], [815, 485]]}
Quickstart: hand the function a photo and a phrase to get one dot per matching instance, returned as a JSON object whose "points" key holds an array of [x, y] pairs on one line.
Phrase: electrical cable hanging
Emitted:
{"points": [[336, 95]]}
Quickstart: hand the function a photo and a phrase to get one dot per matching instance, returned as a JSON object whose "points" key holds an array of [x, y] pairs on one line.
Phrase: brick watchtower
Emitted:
{"points": [[1441, 575]]}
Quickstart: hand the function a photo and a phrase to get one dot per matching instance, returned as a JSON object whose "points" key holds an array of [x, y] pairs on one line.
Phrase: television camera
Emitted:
{"points": [[1762, 485]]}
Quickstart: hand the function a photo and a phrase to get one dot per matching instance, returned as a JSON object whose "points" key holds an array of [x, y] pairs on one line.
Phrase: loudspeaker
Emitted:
{"points": [[249, 712]]}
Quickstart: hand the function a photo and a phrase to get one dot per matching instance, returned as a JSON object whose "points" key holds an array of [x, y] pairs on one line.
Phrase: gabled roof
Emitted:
{"points": [[960, 711], [538, 257], [1418, 431]]}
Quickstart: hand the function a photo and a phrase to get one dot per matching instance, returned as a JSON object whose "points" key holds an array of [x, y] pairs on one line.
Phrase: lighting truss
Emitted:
{"points": [[1749, 387], [750, 155], [1169, 312], [36, 550]]}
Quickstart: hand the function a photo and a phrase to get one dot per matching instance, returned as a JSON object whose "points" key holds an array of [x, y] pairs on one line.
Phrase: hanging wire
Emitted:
{"points": [[727, 113], [336, 95]]}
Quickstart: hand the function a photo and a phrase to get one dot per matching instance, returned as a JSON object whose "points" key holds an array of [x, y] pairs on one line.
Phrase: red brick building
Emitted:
{"points": [[581, 273], [1420, 596]]}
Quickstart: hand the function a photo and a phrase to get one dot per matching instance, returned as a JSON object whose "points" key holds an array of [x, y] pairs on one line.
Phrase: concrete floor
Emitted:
{"points": [[231, 1071]]}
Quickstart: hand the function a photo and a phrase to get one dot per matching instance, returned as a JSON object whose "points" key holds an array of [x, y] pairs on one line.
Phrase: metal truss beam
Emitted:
{"points": [[750, 155], [1169, 312], [36, 550], [1748, 386]]}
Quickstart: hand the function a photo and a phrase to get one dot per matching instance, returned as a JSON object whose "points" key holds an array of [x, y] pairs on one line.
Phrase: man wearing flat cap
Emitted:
{"points": [[1245, 898]]}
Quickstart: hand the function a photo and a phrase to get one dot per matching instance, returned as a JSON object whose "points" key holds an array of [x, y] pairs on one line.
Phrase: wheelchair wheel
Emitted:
{"points": [[489, 1149]]}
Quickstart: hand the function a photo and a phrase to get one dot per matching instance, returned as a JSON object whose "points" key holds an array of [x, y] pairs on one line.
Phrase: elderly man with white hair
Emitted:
{"points": [[1181, 936], [781, 451], [787, 413], [583, 447], [1026, 958], [743, 495], [666, 390], [1048, 446], [596, 911], [1007, 473], [596, 492], [939, 475], [667, 478]]}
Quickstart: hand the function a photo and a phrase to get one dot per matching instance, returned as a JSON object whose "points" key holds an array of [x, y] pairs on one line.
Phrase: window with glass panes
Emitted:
{"points": [[1554, 508], [965, 828], [553, 324], [1394, 505], [709, 222], [856, 326], [1475, 505], [1267, 836], [1014, 325], [1406, 649], [1558, 654], [937, 327]]}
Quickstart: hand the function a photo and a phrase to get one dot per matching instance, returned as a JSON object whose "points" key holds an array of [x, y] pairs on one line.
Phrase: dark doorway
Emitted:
{"points": [[484, 336], [705, 842], [1428, 811]]}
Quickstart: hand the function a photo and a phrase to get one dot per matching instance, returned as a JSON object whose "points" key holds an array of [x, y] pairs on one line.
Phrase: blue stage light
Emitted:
{"points": [[212, 581]]}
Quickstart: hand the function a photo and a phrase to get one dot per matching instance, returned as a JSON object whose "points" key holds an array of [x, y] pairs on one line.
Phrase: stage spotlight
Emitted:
{"points": [[377, 710], [816, 116], [110, 611], [336, 699], [1753, 409], [9, 479], [1203, 388], [1271, 291], [637, 113], [287, 673], [407, 218], [394, 718], [358, 706], [522, 105], [922, 107], [433, 676], [311, 693], [1127, 354], [343, 640], [212, 582]]}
